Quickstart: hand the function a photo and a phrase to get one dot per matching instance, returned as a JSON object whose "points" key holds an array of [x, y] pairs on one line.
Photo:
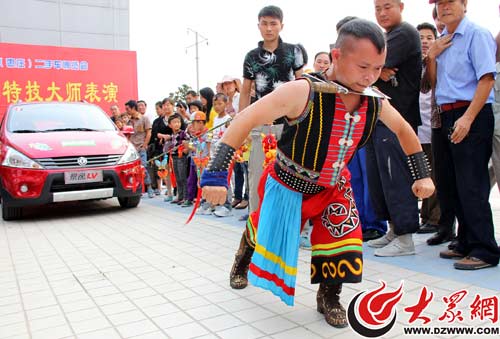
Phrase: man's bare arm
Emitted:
{"points": [[287, 100]]}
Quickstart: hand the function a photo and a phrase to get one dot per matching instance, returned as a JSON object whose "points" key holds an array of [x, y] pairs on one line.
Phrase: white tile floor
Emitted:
{"points": [[92, 270]]}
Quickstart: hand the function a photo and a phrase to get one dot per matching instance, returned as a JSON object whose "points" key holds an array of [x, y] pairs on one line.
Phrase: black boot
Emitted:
{"points": [[238, 276], [328, 303]]}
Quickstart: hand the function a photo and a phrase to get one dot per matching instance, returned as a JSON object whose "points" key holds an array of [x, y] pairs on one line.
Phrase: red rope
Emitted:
{"points": [[195, 206], [171, 170]]}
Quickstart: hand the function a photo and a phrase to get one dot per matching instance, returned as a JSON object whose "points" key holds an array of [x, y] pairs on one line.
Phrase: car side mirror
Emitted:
{"points": [[127, 130]]}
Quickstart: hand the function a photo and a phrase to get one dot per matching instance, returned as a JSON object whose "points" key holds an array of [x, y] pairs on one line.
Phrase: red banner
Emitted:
{"points": [[48, 73]]}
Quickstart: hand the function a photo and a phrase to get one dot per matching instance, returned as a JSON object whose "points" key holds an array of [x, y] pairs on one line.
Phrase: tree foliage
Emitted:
{"points": [[180, 94]]}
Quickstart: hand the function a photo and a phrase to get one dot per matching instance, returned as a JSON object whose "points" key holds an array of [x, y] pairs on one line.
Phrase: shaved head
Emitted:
{"points": [[357, 29]]}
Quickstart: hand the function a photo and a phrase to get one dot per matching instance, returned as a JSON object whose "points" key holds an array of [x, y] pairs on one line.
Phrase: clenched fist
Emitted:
{"points": [[216, 195], [423, 188]]}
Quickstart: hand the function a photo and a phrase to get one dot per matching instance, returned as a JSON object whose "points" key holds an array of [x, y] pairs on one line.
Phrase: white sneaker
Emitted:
{"points": [[204, 209], [222, 211], [383, 241], [401, 245]]}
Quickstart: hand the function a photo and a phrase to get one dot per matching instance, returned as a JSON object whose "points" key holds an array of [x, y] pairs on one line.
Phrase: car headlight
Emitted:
{"points": [[16, 159], [129, 155]]}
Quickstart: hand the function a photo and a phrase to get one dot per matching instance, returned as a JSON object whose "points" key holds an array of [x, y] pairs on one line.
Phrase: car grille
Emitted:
{"points": [[72, 162]]}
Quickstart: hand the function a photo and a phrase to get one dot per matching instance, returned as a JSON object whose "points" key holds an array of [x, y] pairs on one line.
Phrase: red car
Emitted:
{"points": [[54, 152]]}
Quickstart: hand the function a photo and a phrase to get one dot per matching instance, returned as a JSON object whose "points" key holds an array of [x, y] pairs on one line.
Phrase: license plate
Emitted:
{"points": [[82, 177]]}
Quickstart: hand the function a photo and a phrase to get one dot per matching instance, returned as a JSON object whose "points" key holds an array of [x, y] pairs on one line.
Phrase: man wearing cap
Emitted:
{"points": [[271, 64], [462, 69]]}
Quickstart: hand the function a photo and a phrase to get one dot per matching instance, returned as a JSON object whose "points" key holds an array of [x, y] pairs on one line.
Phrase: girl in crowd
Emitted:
{"points": [[207, 99], [231, 88]]}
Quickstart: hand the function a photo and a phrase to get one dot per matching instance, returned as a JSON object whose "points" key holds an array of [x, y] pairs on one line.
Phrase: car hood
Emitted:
{"points": [[74, 143]]}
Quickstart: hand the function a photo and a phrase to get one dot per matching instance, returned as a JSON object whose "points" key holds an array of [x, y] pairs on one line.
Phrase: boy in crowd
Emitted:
{"points": [[176, 150], [199, 149]]}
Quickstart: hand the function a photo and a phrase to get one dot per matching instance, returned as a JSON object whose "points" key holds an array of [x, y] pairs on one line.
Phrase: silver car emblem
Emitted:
{"points": [[82, 161]]}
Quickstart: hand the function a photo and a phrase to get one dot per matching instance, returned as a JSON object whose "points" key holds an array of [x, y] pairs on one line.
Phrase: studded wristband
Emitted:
{"points": [[419, 166], [221, 159]]}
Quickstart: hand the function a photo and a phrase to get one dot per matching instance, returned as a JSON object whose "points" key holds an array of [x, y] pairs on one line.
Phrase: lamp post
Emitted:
{"points": [[197, 36]]}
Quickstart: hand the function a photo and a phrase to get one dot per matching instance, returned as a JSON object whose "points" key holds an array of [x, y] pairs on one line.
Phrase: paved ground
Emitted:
{"points": [[92, 270]]}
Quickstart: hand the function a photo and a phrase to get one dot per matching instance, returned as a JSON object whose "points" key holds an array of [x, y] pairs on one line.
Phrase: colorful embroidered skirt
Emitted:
{"points": [[274, 230]]}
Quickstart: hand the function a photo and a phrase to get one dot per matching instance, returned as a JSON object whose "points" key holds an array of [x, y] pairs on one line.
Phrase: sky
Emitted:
{"points": [[161, 31]]}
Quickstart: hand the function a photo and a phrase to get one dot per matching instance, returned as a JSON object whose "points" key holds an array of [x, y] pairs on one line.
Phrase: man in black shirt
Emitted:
{"points": [[389, 181]]}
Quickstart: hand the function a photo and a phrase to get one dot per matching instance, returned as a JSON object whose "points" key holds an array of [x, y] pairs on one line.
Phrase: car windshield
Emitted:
{"points": [[39, 118]]}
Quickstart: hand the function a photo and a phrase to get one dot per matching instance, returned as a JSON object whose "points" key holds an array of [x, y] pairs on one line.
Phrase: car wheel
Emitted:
{"points": [[129, 202], [11, 213]]}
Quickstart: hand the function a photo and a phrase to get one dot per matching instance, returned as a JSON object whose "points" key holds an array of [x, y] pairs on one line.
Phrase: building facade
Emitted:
{"points": [[100, 24]]}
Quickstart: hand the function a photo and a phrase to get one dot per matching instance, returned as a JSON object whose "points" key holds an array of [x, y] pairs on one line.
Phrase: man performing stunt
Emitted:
{"points": [[309, 179]]}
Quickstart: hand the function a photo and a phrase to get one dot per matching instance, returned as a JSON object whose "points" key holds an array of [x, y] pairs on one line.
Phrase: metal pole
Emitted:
{"points": [[197, 57], [197, 66]]}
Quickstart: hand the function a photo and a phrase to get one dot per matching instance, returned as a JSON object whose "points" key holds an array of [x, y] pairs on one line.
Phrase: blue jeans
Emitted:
{"points": [[144, 161]]}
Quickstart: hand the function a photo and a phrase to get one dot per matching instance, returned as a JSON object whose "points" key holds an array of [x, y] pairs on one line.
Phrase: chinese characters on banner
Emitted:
{"points": [[47, 73]]}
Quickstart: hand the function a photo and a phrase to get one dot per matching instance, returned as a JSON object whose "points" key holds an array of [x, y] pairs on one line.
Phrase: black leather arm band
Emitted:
{"points": [[419, 166], [221, 159]]}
